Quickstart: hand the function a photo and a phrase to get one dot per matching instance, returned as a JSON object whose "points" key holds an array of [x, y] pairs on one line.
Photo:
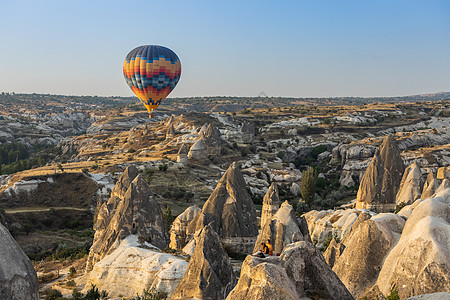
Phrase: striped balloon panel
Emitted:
{"points": [[152, 72]]}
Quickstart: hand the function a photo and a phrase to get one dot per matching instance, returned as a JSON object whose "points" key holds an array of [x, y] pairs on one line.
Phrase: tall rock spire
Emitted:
{"points": [[380, 183], [271, 203]]}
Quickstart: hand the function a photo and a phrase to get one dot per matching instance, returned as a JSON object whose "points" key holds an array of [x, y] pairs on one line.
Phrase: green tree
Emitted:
{"points": [[53, 295], [308, 184], [168, 217]]}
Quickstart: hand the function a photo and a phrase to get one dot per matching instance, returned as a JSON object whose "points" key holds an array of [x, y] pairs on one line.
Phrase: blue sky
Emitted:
{"points": [[237, 48]]}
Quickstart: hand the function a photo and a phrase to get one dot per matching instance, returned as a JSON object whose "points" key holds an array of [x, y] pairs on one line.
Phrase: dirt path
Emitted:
{"points": [[40, 209]]}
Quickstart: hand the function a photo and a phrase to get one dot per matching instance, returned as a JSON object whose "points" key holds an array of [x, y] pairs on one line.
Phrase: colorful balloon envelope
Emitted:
{"points": [[152, 72]]}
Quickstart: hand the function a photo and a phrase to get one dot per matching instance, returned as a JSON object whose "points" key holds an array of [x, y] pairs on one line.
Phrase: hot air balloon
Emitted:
{"points": [[152, 72]]}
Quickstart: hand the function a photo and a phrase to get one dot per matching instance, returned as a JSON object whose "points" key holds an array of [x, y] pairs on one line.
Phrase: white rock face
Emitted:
{"points": [[434, 296], [129, 270], [430, 186], [198, 150], [326, 223], [178, 230], [26, 186], [410, 186], [420, 262]]}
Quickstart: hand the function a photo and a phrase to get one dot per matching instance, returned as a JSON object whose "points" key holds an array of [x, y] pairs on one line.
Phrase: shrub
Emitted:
{"points": [[95, 294], [308, 184], [71, 283], [53, 295], [168, 217], [163, 167], [152, 294], [393, 293], [399, 207]]}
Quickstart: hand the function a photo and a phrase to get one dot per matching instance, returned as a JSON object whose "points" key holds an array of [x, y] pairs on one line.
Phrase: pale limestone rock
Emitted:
{"points": [[410, 186], [209, 274], [18, 280], [433, 296], [300, 271], [130, 269], [359, 257], [443, 173], [283, 229], [430, 186], [329, 223], [178, 237], [182, 155], [295, 189], [198, 150], [213, 140], [443, 192], [271, 203], [130, 210], [381, 180], [420, 262], [170, 132], [231, 212]]}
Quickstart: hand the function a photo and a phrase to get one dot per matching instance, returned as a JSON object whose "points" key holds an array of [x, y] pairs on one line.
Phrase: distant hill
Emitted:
{"points": [[202, 104], [223, 103]]}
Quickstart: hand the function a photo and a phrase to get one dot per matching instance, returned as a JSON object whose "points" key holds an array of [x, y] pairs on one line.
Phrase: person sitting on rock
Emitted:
{"points": [[269, 248], [266, 249], [262, 253]]}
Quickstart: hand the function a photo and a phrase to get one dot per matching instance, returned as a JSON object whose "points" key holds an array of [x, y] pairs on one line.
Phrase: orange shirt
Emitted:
{"points": [[269, 245]]}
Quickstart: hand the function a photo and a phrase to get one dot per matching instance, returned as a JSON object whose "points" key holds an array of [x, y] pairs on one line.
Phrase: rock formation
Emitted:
{"points": [[358, 258], [130, 210], [283, 229], [212, 139], [231, 212], [271, 203], [380, 183], [420, 262], [443, 173], [247, 133], [410, 186], [2, 219], [326, 224], [170, 131], [18, 280], [178, 238], [433, 296], [300, 271], [430, 186], [182, 155], [198, 150], [131, 268], [209, 274]]}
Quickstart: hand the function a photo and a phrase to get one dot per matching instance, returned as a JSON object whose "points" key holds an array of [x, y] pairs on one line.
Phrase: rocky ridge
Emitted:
{"points": [[300, 271], [130, 210]]}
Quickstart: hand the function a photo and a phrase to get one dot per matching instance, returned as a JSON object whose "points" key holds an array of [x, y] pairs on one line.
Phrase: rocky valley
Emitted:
{"points": [[353, 194]]}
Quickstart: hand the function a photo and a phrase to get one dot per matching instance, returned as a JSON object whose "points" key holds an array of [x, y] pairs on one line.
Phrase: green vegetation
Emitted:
{"points": [[393, 293], [152, 294], [310, 158], [16, 157], [168, 217], [308, 184], [328, 241], [399, 207]]}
